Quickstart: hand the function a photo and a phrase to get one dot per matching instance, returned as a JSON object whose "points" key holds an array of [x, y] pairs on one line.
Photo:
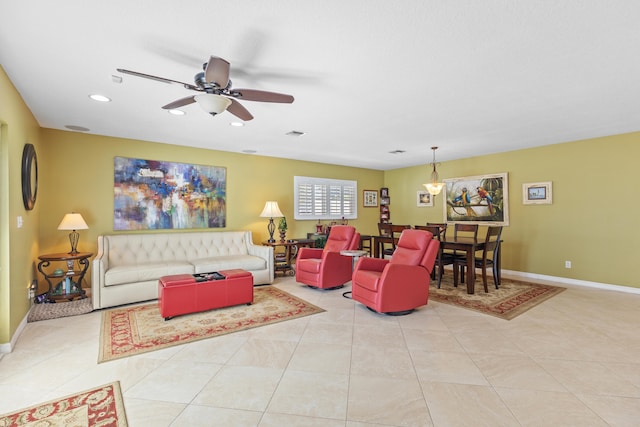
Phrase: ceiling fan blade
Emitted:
{"points": [[239, 111], [180, 102], [217, 71], [158, 79], [263, 96]]}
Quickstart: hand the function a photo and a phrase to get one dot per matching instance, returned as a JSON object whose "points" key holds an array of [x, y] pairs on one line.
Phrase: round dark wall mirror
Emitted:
{"points": [[29, 176]]}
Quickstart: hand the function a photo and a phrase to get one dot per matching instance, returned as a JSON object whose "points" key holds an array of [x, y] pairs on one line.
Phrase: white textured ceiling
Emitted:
{"points": [[369, 76]]}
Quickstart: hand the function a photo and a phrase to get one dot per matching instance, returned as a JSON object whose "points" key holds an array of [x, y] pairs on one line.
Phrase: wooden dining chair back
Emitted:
{"points": [[490, 257], [464, 230], [442, 226], [396, 232], [439, 233], [387, 245]]}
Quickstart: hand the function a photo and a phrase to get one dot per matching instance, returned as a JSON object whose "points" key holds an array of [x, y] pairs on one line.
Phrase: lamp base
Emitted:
{"points": [[271, 227], [74, 236]]}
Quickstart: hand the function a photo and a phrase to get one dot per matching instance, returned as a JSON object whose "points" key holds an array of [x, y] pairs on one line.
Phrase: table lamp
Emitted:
{"points": [[73, 221], [271, 210]]}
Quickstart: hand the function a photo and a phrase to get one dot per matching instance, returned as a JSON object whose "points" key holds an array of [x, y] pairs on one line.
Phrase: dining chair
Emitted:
{"points": [[455, 257], [384, 229], [490, 257], [439, 231]]}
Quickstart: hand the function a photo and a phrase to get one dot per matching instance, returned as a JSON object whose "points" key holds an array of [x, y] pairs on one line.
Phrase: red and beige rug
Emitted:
{"points": [[139, 329], [101, 406], [512, 299]]}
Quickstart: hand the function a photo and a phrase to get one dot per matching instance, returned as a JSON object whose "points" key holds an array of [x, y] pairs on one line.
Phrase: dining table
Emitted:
{"points": [[469, 246]]}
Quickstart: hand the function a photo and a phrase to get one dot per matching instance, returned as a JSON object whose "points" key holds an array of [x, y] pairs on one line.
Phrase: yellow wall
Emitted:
{"points": [[18, 246], [591, 220], [78, 176]]}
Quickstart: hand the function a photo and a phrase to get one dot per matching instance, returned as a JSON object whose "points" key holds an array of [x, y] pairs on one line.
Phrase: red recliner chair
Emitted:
{"points": [[399, 285], [326, 268]]}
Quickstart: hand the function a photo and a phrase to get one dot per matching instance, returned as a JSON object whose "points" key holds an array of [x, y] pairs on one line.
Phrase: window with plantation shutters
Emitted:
{"points": [[322, 198]]}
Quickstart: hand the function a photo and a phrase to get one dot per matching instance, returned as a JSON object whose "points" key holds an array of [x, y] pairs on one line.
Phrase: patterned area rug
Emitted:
{"points": [[59, 309], [139, 329], [101, 406], [512, 299]]}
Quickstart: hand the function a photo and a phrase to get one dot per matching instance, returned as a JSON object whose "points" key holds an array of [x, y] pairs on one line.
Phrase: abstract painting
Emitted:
{"points": [[153, 194], [480, 199]]}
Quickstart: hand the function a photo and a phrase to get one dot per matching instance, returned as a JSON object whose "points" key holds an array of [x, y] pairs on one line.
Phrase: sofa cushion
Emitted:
{"points": [[145, 272], [244, 262]]}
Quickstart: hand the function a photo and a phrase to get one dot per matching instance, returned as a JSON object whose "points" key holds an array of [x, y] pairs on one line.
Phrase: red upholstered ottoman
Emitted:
{"points": [[190, 293]]}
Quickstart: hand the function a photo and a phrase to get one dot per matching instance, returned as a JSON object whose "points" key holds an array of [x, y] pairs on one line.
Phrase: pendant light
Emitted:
{"points": [[434, 186]]}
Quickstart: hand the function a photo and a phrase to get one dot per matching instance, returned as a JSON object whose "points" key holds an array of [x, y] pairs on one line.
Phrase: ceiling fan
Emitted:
{"points": [[217, 95]]}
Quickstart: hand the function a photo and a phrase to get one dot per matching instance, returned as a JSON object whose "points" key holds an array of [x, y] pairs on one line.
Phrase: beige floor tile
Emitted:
{"points": [[432, 340], [467, 405], [228, 388], [311, 394], [382, 361], [328, 333], [282, 420], [319, 357], [487, 342], [374, 334], [142, 412], [174, 382], [616, 411], [205, 416], [548, 408], [264, 353], [447, 367], [387, 401], [594, 378], [516, 372], [218, 350]]}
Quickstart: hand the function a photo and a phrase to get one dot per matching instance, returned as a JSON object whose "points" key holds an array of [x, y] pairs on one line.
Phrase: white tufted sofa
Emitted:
{"points": [[127, 267]]}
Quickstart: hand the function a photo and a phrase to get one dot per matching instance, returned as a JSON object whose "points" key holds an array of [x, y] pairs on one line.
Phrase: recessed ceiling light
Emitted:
{"points": [[100, 98], [176, 112], [77, 128], [249, 151], [295, 133], [397, 152], [236, 124]]}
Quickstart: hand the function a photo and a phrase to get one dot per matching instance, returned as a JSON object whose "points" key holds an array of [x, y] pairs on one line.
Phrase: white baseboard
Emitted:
{"points": [[7, 347], [575, 282]]}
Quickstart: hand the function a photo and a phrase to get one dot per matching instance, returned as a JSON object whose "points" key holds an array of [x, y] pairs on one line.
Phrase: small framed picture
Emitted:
{"points": [[384, 192], [537, 193], [424, 198], [369, 198], [386, 201]]}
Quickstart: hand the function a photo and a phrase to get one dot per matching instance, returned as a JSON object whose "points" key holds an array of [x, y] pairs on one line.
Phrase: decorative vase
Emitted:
{"points": [[283, 234]]}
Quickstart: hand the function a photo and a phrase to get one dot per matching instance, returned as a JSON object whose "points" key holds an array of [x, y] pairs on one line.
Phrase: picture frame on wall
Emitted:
{"points": [[369, 198], [537, 193], [481, 199], [424, 199], [384, 192]]}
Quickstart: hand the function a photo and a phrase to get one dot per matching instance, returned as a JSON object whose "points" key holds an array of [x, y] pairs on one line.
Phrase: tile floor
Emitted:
{"points": [[574, 360]]}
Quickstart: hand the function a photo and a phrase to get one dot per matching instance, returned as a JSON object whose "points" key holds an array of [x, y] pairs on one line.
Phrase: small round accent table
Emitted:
{"points": [[355, 254]]}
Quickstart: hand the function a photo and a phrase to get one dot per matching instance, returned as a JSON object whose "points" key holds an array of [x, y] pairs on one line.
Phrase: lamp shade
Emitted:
{"points": [[271, 210], [73, 221], [213, 104]]}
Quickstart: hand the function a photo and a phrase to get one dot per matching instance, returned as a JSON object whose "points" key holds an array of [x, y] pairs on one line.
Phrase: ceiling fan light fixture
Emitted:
{"points": [[99, 98], [434, 187], [212, 104], [175, 112]]}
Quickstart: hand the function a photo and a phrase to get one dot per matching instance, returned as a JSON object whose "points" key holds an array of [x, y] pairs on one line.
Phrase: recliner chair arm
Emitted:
{"points": [[305, 253], [371, 264]]}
